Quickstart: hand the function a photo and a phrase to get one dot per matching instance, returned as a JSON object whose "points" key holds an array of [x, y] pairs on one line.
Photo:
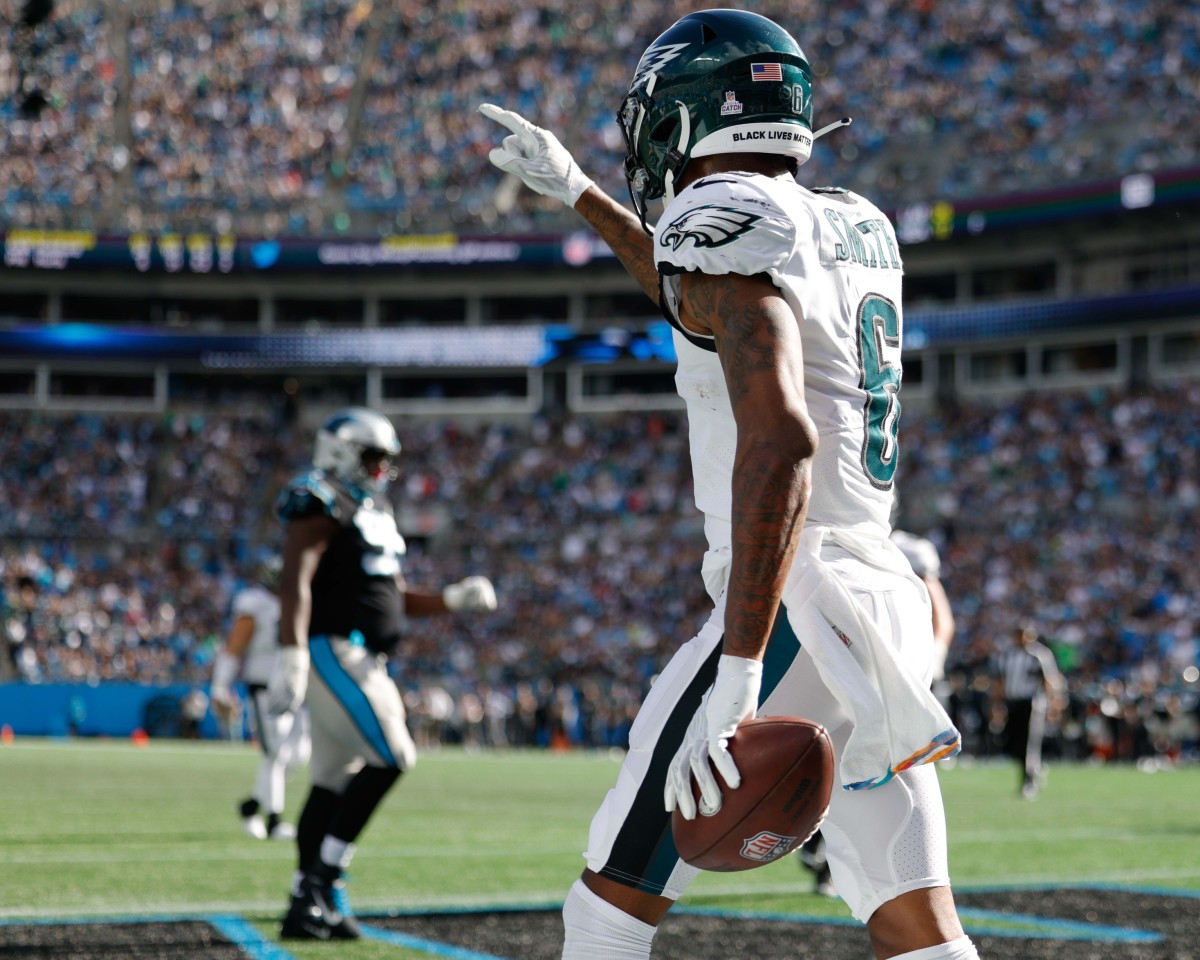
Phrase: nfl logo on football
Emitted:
{"points": [[731, 105], [766, 846]]}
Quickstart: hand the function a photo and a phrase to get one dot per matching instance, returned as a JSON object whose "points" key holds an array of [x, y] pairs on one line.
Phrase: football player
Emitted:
{"points": [[785, 304], [250, 652], [344, 600], [927, 564]]}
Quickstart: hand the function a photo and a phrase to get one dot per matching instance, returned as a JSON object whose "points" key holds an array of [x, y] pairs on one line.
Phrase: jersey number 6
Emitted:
{"points": [[879, 328]]}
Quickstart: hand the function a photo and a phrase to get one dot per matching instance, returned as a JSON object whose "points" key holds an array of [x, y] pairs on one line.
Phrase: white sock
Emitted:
{"points": [[596, 930], [960, 949], [335, 852]]}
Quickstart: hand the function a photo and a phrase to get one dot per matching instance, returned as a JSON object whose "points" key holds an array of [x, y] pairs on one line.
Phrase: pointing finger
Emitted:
{"points": [[514, 121]]}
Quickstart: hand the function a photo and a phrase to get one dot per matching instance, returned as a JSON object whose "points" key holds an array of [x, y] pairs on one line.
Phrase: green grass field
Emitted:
{"points": [[110, 829]]}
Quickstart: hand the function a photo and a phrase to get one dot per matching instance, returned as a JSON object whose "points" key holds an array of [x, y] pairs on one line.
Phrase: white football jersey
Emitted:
{"points": [[834, 257], [262, 606]]}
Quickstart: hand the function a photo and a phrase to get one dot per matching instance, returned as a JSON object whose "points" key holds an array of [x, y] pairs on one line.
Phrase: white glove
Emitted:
{"points": [[536, 157], [225, 670], [473, 593], [289, 682], [732, 698]]}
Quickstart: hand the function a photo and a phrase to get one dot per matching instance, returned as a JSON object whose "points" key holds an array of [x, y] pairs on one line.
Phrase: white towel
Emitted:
{"points": [[897, 722]]}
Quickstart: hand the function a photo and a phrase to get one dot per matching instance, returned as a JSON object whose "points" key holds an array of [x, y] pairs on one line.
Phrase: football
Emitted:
{"points": [[786, 765]]}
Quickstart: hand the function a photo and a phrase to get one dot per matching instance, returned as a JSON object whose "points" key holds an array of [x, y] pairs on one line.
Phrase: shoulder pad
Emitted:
{"points": [[830, 190], [724, 224], [308, 495]]}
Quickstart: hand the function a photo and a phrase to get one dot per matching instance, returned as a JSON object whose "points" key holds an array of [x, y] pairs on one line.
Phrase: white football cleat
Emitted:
{"points": [[283, 831], [254, 826]]}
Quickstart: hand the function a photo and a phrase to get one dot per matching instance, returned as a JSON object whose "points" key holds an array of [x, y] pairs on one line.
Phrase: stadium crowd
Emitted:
{"points": [[321, 116], [128, 535]]}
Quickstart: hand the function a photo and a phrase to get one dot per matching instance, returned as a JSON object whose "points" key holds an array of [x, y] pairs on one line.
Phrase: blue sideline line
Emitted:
{"points": [[247, 939], [238, 931], [1123, 888], [976, 921], [997, 923], [993, 923], [432, 947]]}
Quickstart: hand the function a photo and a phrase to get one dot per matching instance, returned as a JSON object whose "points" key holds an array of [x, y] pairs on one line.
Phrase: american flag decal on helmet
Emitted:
{"points": [[766, 71]]}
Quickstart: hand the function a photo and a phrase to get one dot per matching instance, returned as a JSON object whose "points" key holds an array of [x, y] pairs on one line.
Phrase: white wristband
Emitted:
{"points": [[731, 666], [225, 671]]}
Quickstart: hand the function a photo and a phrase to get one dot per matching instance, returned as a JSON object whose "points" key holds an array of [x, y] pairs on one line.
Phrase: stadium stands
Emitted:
{"points": [[336, 116], [587, 528]]}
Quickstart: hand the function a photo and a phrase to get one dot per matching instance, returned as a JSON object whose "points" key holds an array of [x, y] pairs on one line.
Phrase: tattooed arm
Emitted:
{"points": [[624, 235], [758, 341]]}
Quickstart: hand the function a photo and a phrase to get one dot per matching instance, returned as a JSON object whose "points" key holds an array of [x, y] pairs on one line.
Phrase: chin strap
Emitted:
{"points": [[830, 127], [675, 158]]}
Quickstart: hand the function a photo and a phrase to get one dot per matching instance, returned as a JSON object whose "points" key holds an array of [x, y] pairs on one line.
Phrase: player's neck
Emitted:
{"points": [[767, 164]]}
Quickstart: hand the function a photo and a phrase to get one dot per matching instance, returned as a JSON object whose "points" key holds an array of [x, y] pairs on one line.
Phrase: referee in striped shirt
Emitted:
{"points": [[1031, 686]]}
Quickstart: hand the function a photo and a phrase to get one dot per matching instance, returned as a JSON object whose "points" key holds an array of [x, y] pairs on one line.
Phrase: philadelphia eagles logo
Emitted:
{"points": [[708, 226]]}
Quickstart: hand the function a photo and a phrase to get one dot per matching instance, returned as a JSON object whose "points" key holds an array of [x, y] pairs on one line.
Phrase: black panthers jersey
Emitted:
{"points": [[355, 586]]}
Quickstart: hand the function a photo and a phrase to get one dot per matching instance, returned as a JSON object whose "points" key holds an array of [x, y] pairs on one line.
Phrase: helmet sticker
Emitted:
{"points": [[766, 71], [656, 58], [799, 96], [711, 225], [732, 104]]}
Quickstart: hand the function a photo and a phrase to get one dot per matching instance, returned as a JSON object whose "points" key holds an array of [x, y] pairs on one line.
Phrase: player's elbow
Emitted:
{"points": [[778, 446], [795, 436], [775, 436]]}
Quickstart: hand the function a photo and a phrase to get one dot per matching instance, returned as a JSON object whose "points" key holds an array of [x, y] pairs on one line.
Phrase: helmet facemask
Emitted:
{"points": [[360, 447], [377, 468], [636, 111]]}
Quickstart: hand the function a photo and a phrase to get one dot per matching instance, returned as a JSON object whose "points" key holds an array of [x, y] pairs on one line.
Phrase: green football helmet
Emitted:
{"points": [[717, 81]]}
